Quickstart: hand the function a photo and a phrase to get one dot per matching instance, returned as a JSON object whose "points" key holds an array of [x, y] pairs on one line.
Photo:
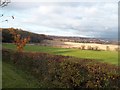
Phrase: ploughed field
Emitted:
{"points": [[102, 56]]}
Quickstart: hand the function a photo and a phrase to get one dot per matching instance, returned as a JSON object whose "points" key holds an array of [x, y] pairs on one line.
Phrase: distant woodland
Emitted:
{"points": [[38, 38], [35, 38]]}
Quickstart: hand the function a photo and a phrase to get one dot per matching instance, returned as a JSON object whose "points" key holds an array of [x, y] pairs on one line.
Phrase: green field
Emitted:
{"points": [[16, 78], [0, 73], [104, 56]]}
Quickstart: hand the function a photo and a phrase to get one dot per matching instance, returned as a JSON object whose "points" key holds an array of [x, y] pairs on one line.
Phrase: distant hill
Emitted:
{"points": [[84, 40], [38, 38], [35, 38]]}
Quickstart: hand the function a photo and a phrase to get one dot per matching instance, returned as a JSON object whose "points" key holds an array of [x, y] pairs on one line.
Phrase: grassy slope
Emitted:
{"points": [[16, 78], [0, 73], [106, 56]]}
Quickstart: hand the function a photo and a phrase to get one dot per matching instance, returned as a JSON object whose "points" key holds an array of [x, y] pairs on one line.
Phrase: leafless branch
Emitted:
{"points": [[4, 3]]}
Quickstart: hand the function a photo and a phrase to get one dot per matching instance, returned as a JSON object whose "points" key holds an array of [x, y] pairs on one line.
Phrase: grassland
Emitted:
{"points": [[16, 78], [58, 71], [103, 56], [0, 73]]}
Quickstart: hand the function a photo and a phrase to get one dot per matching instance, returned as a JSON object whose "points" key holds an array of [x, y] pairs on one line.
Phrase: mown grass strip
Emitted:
{"points": [[13, 77]]}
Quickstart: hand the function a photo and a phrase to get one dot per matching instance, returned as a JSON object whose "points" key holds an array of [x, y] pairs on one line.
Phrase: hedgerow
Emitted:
{"points": [[65, 71]]}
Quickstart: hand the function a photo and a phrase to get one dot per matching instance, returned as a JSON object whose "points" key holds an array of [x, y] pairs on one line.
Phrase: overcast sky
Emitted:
{"points": [[87, 19]]}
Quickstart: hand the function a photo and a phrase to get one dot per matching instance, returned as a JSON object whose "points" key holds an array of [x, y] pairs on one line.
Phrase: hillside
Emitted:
{"points": [[35, 38], [102, 56], [56, 71], [38, 38], [84, 40], [14, 77]]}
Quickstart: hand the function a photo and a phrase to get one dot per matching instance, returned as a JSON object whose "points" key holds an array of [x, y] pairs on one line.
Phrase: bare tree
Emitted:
{"points": [[4, 3]]}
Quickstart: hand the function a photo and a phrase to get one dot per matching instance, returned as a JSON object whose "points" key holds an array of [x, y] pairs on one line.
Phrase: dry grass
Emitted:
{"points": [[78, 45], [100, 46]]}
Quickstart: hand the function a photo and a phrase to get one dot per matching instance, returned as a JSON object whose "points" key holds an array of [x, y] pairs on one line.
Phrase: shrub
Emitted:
{"points": [[117, 49], [107, 48], [63, 71], [89, 47], [83, 47], [96, 48]]}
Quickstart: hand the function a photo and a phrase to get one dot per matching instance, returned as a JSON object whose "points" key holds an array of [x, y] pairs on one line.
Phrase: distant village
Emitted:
{"points": [[84, 40]]}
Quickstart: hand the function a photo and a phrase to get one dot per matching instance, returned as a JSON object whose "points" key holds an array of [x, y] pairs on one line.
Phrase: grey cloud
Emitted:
{"points": [[78, 18]]}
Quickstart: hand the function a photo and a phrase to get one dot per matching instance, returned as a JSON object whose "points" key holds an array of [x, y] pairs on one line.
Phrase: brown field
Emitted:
{"points": [[100, 46], [78, 45]]}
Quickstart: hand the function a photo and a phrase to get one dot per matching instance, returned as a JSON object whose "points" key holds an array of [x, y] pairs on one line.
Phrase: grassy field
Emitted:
{"points": [[104, 56], [0, 73], [16, 78]]}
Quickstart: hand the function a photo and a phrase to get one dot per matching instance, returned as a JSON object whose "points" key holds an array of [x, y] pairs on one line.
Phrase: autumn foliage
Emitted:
{"points": [[64, 71], [18, 40]]}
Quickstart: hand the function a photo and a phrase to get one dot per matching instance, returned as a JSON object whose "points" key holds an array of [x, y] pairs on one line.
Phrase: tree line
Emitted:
{"points": [[7, 37]]}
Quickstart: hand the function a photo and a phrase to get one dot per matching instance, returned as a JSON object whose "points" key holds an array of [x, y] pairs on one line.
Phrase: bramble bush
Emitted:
{"points": [[65, 71]]}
